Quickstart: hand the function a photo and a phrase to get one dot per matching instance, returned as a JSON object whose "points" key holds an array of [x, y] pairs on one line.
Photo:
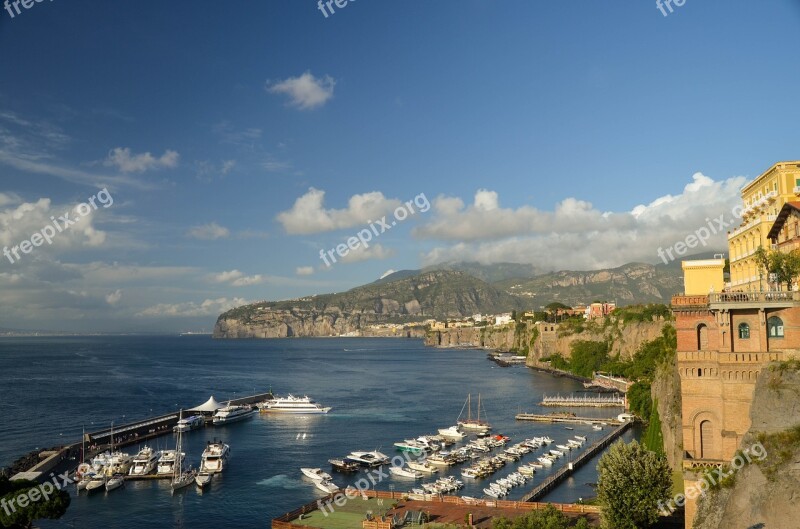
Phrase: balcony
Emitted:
{"points": [[754, 300], [796, 190]]}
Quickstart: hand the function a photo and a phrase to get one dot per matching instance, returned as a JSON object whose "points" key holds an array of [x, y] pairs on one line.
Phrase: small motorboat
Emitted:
{"points": [[327, 486], [568, 428], [316, 474], [344, 465], [581, 438], [405, 472], [114, 482], [203, 479], [96, 483], [422, 466]]}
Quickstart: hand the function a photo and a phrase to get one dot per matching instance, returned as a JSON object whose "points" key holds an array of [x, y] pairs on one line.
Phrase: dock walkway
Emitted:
{"points": [[564, 472], [584, 401], [566, 419]]}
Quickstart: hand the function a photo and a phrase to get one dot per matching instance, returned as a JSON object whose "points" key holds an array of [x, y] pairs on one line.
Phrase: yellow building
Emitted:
{"points": [[702, 277], [762, 199]]}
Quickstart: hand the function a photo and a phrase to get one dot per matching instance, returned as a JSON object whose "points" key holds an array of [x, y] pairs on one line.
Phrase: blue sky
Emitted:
{"points": [[534, 129]]}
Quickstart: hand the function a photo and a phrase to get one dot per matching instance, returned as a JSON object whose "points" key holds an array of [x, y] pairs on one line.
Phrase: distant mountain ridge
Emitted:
{"points": [[445, 293]]}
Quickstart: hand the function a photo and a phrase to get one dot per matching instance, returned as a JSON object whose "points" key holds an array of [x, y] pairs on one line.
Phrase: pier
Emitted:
{"points": [[599, 401], [564, 472], [134, 433], [566, 418]]}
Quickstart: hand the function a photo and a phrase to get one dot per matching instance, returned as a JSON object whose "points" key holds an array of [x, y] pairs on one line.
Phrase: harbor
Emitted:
{"points": [[584, 401], [268, 450], [567, 419]]}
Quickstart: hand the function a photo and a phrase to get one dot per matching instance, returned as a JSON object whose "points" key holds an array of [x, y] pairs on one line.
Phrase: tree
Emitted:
{"points": [[785, 266], [762, 260], [547, 518], [631, 483], [17, 517]]}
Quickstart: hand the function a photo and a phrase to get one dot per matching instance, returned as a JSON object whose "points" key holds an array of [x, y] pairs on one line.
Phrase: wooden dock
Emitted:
{"points": [[567, 419], [564, 472]]}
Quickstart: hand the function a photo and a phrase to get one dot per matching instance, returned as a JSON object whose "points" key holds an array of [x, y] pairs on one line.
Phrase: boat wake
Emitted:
{"points": [[281, 481]]}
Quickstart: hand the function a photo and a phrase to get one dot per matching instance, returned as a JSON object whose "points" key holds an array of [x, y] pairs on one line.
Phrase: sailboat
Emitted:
{"points": [[180, 478], [469, 423]]}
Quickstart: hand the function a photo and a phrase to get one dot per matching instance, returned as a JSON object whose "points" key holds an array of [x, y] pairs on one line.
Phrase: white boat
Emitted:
{"points": [[564, 447], [327, 486], [471, 473], [597, 427], [452, 433], [96, 483], [316, 474], [214, 457], [167, 461], [180, 478], [413, 446], [370, 459], [114, 482], [581, 438], [144, 462], [232, 413], [405, 472], [293, 405], [546, 461], [202, 479], [469, 423], [491, 492], [189, 423], [422, 466]]}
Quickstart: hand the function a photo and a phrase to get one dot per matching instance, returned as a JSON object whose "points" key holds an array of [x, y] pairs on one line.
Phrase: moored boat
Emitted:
{"points": [[214, 457], [232, 413], [293, 405], [405, 472], [316, 474]]}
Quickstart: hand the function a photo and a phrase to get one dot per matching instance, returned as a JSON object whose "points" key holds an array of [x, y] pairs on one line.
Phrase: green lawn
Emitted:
{"points": [[348, 516], [677, 482]]}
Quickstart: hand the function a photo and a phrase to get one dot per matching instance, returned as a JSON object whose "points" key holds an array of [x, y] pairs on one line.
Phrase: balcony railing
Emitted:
{"points": [[755, 297]]}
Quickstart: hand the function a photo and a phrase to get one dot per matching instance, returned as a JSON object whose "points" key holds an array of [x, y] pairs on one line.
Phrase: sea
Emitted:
{"points": [[381, 391]]}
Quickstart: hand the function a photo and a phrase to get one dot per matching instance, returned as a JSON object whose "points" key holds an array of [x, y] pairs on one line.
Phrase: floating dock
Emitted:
{"points": [[584, 401], [564, 472], [566, 418]]}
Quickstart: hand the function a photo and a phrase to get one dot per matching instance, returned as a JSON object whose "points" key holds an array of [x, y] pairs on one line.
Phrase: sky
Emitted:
{"points": [[230, 152]]}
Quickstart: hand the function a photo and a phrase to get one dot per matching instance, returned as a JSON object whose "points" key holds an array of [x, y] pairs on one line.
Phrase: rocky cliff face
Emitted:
{"points": [[765, 494], [540, 342], [666, 389]]}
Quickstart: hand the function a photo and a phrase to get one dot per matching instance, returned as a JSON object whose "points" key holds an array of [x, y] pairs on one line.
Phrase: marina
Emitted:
{"points": [[584, 401], [567, 418], [267, 450]]}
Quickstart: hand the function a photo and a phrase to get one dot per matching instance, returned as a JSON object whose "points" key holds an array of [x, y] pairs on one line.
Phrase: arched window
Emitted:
{"points": [[744, 331], [775, 327], [706, 436], [702, 337], [699, 372]]}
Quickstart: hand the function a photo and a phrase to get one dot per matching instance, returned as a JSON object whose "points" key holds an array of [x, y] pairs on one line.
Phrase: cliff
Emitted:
{"points": [[766, 492], [666, 391], [543, 340], [404, 299]]}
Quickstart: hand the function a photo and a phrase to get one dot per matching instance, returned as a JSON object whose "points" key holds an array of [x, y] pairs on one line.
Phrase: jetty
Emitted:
{"points": [[584, 401], [564, 472], [567, 418]]}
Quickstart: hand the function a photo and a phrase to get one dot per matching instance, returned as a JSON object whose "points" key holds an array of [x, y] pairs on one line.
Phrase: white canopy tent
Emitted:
{"points": [[211, 405]]}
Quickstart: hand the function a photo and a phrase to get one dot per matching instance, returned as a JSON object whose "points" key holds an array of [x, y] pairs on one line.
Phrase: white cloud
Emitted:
{"points": [[20, 222], [308, 215], [388, 273], [227, 166], [305, 92], [122, 159], [114, 297], [8, 199], [209, 232], [576, 235], [375, 251], [238, 279], [208, 307], [304, 270]]}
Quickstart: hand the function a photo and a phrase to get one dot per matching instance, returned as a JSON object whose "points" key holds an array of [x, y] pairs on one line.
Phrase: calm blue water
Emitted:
{"points": [[382, 391]]}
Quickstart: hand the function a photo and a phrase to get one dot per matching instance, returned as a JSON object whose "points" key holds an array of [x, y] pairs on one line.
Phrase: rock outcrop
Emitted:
{"points": [[666, 390], [764, 493]]}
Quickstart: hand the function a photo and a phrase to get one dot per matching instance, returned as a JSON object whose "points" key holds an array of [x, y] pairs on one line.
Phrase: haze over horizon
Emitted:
{"points": [[242, 145]]}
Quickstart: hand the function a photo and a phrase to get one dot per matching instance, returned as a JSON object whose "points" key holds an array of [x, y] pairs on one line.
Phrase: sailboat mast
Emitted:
{"points": [[479, 408]]}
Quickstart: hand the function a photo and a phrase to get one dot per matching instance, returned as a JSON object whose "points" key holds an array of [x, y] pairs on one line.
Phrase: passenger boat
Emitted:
{"points": [[144, 462], [405, 472], [316, 474], [232, 413], [469, 423], [369, 459], [344, 465], [189, 423], [293, 405], [214, 457]]}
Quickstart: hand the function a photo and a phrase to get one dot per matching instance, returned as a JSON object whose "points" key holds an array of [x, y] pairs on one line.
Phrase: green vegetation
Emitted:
{"points": [[653, 439], [631, 482], [643, 313], [17, 517], [639, 399], [780, 449], [785, 266], [547, 518]]}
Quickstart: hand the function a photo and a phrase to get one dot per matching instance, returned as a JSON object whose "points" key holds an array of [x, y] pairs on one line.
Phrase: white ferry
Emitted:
{"points": [[232, 413], [291, 404]]}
